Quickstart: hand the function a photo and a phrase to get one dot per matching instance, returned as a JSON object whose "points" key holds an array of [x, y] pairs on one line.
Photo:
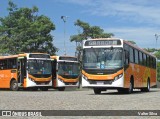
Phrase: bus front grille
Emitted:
{"points": [[100, 82]]}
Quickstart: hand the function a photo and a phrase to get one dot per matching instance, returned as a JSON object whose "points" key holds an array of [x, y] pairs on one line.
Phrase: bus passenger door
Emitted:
{"points": [[21, 70], [54, 72]]}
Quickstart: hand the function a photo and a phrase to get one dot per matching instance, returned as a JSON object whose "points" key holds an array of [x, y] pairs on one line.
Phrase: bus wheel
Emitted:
{"points": [[147, 89], [44, 89], [97, 90], [61, 88], [14, 85], [34, 89], [130, 89], [121, 91]]}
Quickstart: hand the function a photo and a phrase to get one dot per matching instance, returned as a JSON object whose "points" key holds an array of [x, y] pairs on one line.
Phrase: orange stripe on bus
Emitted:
{"points": [[25, 83], [68, 80], [101, 77], [40, 79]]}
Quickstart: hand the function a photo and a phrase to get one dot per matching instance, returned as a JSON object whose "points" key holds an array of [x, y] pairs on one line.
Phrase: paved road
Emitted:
{"points": [[77, 99]]}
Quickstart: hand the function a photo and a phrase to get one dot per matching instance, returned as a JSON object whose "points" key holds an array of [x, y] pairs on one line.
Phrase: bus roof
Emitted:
{"points": [[105, 39], [138, 48], [18, 55], [9, 56], [64, 58], [128, 43], [55, 57]]}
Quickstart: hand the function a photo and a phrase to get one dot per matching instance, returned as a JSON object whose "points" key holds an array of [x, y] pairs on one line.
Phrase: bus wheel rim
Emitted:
{"points": [[148, 86], [14, 85]]}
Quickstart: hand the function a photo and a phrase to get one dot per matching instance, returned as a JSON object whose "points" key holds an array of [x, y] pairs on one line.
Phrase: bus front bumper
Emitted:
{"points": [[119, 83]]}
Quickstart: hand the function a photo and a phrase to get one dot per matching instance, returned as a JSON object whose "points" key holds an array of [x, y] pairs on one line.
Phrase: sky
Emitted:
{"points": [[137, 20]]}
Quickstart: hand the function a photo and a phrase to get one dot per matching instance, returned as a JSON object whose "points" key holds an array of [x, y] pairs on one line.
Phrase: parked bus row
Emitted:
{"points": [[38, 71], [107, 63]]}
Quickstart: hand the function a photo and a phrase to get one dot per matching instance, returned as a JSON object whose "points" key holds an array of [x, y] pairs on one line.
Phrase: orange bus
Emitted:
{"points": [[112, 63], [65, 72], [28, 70]]}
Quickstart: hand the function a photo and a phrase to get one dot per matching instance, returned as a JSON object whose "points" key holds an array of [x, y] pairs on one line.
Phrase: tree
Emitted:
{"points": [[157, 54], [87, 32], [158, 71], [150, 49], [23, 30], [132, 42]]}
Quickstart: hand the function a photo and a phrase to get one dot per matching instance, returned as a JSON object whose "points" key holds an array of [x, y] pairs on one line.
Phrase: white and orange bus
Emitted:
{"points": [[28, 70], [65, 72], [112, 63]]}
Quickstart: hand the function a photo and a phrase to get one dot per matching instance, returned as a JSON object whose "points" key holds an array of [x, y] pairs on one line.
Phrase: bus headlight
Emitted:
{"points": [[118, 77], [61, 80], [84, 77], [32, 80]]}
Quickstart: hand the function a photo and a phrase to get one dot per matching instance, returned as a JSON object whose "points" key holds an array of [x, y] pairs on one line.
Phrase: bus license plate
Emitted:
{"points": [[42, 83], [100, 82]]}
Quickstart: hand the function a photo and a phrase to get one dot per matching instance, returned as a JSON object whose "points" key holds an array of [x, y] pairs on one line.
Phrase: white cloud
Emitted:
{"points": [[137, 10], [79, 2], [144, 36], [143, 17]]}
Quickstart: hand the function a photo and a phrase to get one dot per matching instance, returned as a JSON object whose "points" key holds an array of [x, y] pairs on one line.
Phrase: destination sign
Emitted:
{"points": [[102, 42], [68, 58], [39, 56]]}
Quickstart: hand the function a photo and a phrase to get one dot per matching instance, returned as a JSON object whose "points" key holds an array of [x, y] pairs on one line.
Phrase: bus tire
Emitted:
{"points": [[147, 88], [44, 89], [34, 89], [61, 88], [14, 85], [97, 90], [130, 89], [121, 90]]}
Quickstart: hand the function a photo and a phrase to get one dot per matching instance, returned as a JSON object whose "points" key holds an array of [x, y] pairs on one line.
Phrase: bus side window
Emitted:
{"points": [[131, 55], [148, 63], [144, 60], [126, 57], [154, 63], [14, 63], [136, 57], [151, 62], [126, 54], [3, 64], [140, 58]]}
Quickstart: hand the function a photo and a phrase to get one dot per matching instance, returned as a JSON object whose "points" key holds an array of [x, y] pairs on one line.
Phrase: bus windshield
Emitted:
{"points": [[39, 66], [102, 58], [70, 69]]}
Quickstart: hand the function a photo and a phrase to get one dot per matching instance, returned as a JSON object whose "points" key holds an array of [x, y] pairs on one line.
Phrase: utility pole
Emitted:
{"points": [[157, 36], [64, 18]]}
